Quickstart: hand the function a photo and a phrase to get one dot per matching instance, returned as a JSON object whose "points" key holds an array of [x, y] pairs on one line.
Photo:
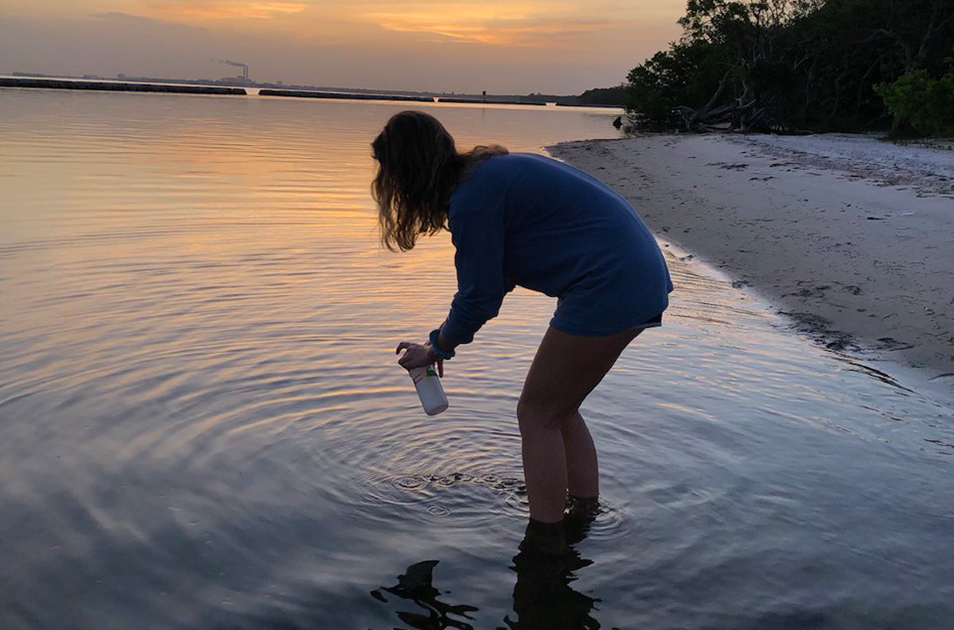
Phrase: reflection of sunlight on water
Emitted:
{"points": [[200, 402]]}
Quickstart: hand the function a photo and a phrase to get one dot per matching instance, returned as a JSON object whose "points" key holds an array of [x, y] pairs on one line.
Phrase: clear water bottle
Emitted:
{"points": [[429, 389]]}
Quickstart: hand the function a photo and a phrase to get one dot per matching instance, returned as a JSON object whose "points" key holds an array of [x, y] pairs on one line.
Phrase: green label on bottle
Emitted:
{"points": [[429, 371]]}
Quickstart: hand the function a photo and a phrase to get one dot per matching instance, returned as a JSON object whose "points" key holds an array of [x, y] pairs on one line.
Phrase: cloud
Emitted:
{"points": [[494, 29], [116, 16], [208, 10], [504, 46]]}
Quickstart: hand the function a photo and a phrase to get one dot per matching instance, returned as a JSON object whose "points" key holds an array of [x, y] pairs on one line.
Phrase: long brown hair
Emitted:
{"points": [[418, 168]]}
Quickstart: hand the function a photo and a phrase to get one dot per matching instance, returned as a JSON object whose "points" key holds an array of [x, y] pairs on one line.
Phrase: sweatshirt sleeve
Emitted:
{"points": [[478, 236]]}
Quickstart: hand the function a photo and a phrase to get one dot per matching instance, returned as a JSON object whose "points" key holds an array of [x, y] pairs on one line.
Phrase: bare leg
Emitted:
{"points": [[582, 466], [564, 371], [544, 469]]}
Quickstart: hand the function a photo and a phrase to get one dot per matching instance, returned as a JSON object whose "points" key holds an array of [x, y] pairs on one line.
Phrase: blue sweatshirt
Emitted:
{"points": [[529, 220]]}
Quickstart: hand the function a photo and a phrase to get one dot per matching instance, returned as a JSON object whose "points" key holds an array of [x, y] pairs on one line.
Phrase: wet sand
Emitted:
{"points": [[851, 237]]}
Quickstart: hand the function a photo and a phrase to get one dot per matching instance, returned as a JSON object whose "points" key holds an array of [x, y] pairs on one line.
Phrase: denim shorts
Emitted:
{"points": [[583, 317]]}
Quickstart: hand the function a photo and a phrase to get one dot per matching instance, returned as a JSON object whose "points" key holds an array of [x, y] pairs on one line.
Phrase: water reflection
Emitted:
{"points": [[543, 598], [417, 585], [202, 424]]}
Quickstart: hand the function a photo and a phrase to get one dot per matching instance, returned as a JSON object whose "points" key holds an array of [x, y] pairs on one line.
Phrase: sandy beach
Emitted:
{"points": [[850, 237]]}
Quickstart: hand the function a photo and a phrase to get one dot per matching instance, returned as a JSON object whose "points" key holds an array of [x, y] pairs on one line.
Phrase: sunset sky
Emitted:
{"points": [[502, 46]]}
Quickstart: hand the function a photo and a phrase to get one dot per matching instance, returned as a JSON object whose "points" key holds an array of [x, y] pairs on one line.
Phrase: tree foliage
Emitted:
{"points": [[923, 104], [791, 64], [615, 95]]}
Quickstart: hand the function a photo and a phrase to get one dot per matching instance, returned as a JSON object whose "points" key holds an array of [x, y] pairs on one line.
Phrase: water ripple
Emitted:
{"points": [[202, 423]]}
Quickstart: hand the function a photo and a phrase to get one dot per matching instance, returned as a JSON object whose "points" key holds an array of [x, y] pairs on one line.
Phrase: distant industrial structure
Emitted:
{"points": [[242, 78]]}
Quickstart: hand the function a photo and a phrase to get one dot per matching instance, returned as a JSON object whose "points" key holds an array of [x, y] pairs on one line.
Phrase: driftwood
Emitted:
{"points": [[743, 116], [742, 113]]}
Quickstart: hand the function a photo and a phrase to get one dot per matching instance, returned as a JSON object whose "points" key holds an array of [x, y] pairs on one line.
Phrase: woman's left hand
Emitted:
{"points": [[417, 355]]}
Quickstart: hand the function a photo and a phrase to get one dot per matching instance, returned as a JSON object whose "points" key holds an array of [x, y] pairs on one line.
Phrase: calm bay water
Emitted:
{"points": [[202, 424]]}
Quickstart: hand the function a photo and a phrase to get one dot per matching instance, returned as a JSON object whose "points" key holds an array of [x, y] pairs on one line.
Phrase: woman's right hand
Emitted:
{"points": [[417, 355]]}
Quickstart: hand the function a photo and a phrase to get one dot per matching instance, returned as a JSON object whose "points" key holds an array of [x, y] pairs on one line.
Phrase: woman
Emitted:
{"points": [[529, 220]]}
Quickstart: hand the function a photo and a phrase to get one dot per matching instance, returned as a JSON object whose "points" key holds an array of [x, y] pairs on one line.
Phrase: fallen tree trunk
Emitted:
{"points": [[743, 114]]}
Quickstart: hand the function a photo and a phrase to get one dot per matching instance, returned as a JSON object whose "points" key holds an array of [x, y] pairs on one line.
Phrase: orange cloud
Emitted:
{"points": [[507, 28], [223, 10], [509, 23]]}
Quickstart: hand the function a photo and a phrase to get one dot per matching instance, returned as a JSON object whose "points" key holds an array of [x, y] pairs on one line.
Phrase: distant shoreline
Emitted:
{"points": [[116, 86], [183, 87], [849, 237]]}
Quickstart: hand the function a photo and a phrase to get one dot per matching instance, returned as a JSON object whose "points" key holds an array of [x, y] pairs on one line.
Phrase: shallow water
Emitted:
{"points": [[202, 424]]}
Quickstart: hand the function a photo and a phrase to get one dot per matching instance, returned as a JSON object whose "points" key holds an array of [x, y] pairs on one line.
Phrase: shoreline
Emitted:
{"points": [[117, 86], [174, 86], [849, 238]]}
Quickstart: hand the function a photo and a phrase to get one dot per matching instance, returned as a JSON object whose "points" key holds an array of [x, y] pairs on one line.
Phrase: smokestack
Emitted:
{"points": [[237, 64]]}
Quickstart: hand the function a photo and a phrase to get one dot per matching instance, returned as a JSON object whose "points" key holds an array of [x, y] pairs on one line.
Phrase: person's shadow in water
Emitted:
{"points": [[416, 585], [542, 597]]}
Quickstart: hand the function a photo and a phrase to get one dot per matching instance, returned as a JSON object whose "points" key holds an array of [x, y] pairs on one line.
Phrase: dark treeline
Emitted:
{"points": [[596, 96], [787, 65], [604, 96]]}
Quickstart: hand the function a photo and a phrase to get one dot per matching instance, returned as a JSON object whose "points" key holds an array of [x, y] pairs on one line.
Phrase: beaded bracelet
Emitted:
{"points": [[436, 349]]}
